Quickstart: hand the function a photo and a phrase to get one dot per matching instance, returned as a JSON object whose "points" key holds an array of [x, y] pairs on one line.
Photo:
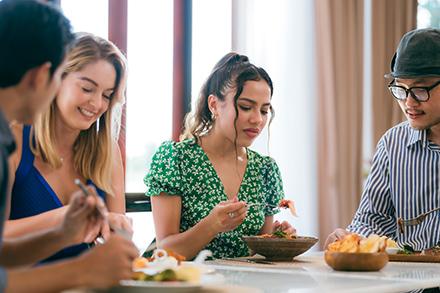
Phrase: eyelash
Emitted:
{"points": [[244, 108], [86, 90]]}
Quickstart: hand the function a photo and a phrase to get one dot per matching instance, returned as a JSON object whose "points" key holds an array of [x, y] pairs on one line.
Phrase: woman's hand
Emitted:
{"points": [[119, 222], [284, 227], [227, 215]]}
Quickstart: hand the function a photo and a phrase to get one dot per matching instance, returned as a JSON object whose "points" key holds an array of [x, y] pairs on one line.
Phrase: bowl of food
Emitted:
{"points": [[278, 247], [355, 253], [358, 261]]}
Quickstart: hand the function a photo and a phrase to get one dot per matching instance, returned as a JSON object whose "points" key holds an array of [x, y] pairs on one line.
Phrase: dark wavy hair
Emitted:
{"points": [[231, 72]]}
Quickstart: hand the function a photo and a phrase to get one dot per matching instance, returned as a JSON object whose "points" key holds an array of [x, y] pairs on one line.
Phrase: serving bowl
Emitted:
{"points": [[280, 249], [346, 261]]}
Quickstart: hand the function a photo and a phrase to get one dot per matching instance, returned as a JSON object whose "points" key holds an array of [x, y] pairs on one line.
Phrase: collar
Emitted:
{"points": [[418, 136]]}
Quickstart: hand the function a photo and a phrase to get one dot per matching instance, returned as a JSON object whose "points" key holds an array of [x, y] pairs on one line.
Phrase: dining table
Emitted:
{"points": [[310, 273], [305, 273]]}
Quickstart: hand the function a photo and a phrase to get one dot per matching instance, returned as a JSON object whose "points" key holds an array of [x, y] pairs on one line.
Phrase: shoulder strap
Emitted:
{"points": [[27, 157]]}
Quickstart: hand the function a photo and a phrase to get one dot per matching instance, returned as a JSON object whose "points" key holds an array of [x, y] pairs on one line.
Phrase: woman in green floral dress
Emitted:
{"points": [[209, 190]]}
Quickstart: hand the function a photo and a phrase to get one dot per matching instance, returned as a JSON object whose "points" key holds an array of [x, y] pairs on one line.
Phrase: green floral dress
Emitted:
{"points": [[184, 169]]}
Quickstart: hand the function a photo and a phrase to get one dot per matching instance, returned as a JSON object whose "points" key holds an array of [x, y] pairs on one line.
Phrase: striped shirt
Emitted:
{"points": [[403, 182]]}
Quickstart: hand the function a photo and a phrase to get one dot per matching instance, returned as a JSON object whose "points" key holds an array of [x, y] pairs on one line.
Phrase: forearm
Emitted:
{"points": [[267, 226], [43, 221], [32, 248], [190, 242], [366, 223], [51, 278]]}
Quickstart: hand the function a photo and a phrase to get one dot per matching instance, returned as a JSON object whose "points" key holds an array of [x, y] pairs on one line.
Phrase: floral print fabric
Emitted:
{"points": [[184, 169]]}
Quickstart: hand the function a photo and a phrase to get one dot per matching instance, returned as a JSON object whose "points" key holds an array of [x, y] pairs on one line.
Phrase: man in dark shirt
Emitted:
{"points": [[33, 40], [7, 146]]}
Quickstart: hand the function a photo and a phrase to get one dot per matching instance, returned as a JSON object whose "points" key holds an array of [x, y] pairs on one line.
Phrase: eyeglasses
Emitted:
{"points": [[419, 93]]}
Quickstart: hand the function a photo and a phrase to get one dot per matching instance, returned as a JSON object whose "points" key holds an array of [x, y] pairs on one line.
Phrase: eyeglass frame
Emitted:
{"points": [[409, 90]]}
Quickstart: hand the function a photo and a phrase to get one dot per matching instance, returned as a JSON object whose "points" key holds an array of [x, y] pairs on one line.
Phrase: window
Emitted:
{"points": [[94, 19], [149, 93], [211, 39], [428, 14]]}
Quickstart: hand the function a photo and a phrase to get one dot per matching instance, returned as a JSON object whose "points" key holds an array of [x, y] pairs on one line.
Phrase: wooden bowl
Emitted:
{"points": [[280, 249], [345, 261]]}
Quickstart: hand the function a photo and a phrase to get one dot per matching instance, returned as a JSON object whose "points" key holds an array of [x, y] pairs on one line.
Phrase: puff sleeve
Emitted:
{"points": [[165, 174]]}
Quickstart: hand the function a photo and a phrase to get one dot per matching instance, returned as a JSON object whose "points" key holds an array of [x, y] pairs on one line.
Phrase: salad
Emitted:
{"points": [[165, 266]]}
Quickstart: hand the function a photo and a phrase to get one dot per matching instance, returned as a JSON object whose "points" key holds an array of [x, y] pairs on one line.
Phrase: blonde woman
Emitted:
{"points": [[75, 138]]}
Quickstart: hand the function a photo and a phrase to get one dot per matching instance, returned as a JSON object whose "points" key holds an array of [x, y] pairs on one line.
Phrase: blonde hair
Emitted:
{"points": [[92, 150]]}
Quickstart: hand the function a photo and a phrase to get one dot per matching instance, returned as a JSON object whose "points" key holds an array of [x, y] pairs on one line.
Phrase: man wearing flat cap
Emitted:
{"points": [[404, 179]]}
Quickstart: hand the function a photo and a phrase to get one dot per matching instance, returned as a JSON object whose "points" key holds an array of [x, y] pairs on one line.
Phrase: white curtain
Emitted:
{"points": [[279, 36]]}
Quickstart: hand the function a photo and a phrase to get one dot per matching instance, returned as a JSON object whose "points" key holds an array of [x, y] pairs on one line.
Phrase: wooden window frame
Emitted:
{"points": [[182, 51]]}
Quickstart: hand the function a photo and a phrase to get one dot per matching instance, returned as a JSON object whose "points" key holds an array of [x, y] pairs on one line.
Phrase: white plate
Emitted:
{"points": [[146, 286], [204, 269], [392, 250], [131, 286]]}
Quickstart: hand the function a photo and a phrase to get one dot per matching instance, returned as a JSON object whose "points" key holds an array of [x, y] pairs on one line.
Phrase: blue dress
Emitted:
{"points": [[32, 195]]}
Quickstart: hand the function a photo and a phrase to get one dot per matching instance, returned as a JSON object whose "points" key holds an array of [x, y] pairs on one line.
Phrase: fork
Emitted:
{"points": [[249, 260], [414, 221], [100, 239], [120, 232]]}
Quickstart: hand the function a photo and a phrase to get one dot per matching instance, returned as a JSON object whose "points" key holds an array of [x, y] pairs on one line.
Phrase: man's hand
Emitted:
{"points": [[105, 265], [336, 235], [85, 219]]}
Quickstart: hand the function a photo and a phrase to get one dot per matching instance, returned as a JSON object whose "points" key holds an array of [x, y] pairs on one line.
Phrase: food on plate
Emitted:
{"points": [[288, 204], [278, 234], [406, 250], [164, 266], [391, 243], [140, 262], [354, 243], [391, 247], [433, 251]]}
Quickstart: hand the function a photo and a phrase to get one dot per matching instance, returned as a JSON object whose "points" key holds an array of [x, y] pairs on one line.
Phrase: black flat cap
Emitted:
{"points": [[417, 55]]}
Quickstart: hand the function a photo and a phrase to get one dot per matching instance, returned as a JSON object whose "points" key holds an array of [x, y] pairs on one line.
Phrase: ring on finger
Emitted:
{"points": [[231, 215]]}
